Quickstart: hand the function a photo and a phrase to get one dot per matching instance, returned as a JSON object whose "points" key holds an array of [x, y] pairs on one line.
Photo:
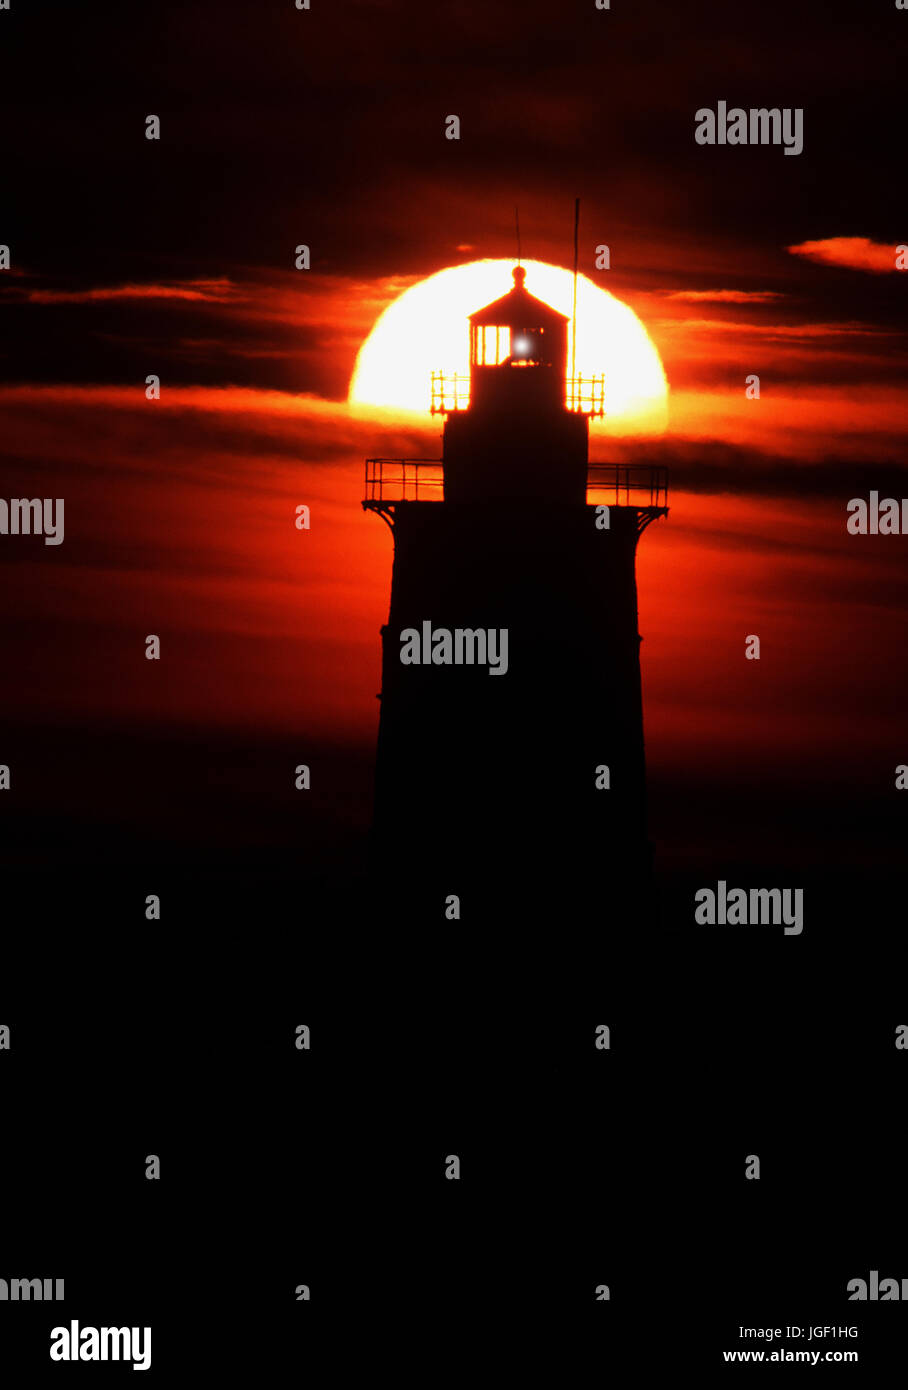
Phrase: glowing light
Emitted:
{"points": [[426, 329]]}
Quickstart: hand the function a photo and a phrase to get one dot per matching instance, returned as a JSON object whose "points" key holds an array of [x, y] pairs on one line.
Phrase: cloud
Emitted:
{"points": [[727, 296], [813, 423], [712, 468], [239, 429], [252, 328], [210, 291], [780, 330], [853, 252]]}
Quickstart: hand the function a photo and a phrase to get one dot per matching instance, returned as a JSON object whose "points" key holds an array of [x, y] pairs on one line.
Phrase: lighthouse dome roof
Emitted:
{"points": [[518, 308]]}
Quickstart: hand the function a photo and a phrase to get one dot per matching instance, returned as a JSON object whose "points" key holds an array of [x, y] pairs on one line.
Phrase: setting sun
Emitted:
{"points": [[425, 329]]}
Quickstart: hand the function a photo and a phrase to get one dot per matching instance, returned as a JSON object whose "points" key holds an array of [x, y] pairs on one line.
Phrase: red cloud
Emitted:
{"points": [[855, 252], [212, 291], [727, 296]]}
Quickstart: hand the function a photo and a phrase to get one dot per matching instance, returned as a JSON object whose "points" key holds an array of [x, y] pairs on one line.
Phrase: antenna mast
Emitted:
{"points": [[517, 229], [574, 315]]}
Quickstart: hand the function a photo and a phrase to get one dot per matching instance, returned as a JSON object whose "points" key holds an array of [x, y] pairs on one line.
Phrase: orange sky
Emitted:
{"points": [[180, 522]]}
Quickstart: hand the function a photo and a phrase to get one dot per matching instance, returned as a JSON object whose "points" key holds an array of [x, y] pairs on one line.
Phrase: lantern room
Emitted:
{"points": [[518, 362], [518, 350]]}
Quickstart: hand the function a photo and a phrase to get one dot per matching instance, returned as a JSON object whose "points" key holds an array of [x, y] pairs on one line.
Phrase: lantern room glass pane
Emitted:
{"points": [[494, 345]]}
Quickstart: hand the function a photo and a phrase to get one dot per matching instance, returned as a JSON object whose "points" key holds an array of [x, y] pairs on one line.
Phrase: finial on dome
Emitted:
{"points": [[519, 275]]}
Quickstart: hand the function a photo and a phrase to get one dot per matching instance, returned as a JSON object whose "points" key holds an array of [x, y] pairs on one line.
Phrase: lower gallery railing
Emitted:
{"points": [[422, 480]]}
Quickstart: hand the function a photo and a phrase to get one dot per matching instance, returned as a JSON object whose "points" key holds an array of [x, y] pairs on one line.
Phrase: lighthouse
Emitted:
{"points": [[511, 723]]}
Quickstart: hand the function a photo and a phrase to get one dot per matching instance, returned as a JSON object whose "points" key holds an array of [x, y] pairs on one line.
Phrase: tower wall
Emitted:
{"points": [[489, 772], [539, 453]]}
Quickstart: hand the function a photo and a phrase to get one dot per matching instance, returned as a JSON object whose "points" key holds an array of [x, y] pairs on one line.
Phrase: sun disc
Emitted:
{"points": [[426, 329]]}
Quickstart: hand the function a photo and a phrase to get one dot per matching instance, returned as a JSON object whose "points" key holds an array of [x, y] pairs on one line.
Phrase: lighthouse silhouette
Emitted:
{"points": [[513, 547]]}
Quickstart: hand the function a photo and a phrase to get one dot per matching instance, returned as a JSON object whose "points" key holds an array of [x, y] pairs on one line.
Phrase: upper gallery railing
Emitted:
{"points": [[583, 394]]}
